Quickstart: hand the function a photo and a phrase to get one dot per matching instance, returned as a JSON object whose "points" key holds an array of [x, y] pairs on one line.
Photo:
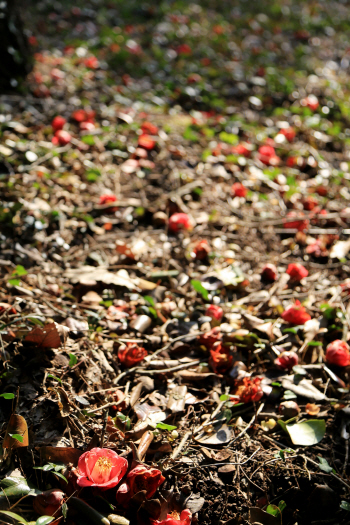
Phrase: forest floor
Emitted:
{"points": [[174, 265]]}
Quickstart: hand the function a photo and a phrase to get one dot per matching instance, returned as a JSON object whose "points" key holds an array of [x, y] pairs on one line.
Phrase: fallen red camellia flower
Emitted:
{"points": [[269, 272], [211, 337], [91, 62], [242, 149], [61, 137], [310, 203], [287, 360], [201, 250], [215, 312], [131, 353], [311, 102], [48, 503], [337, 353], [148, 127], [301, 224], [107, 199], [58, 123], [267, 155], [220, 358], [139, 478], [178, 222], [249, 390], [174, 518], [238, 190], [146, 142], [100, 467], [296, 314], [297, 271], [289, 133]]}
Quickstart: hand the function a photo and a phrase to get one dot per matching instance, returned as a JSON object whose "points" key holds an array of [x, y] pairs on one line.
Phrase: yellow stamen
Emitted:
{"points": [[103, 463]]}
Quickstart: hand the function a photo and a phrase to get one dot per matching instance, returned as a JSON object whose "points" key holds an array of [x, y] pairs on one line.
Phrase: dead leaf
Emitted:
{"points": [[176, 402], [257, 515], [63, 455], [219, 436], [46, 337], [16, 426], [312, 409], [303, 388]]}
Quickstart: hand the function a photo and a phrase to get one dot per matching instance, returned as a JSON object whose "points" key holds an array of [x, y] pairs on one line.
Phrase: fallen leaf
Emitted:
{"points": [[307, 433], [17, 426], [46, 337]]}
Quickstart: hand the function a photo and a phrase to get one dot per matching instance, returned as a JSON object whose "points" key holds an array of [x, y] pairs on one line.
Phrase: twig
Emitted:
{"points": [[177, 450], [105, 418], [248, 426]]}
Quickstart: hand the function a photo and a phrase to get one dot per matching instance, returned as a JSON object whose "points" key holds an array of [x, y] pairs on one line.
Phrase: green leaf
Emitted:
{"points": [[282, 505], [44, 520], [90, 141], [288, 394], [14, 282], [55, 378], [150, 300], [164, 426], [14, 516], [345, 505], [224, 397], [314, 343], [324, 465], [197, 285], [7, 395], [16, 488], [61, 476], [72, 360], [64, 510], [18, 437], [19, 270], [273, 510], [308, 432]]}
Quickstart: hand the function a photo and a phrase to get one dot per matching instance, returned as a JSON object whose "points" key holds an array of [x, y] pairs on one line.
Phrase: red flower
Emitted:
{"points": [[337, 353], [249, 390], [146, 142], [79, 115], [148, 127], [49, 502], [211, 337], [310, 203], [139, 478], [61, 137], [174, 518], [101, 467], [289, 133], [184, 49], [238, 190], [107, 199], [178, 222], [220, 358], [131, 354], [242, 149], [267, 155], [287, 360], [269, 272], [300, 225], [297, 271], [296, 314], [201, 250], [91, 62], [58, 123], [311, 102], [215, 312]]}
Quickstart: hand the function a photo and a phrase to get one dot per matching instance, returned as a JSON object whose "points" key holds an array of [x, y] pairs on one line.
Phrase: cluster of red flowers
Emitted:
{"points": [[248, 390], [85, 118], [104, 469]]}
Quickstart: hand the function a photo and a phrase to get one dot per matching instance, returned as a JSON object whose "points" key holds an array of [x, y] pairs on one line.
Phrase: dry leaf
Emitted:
{"points": [[312, 409], [46, 337], [16, 426]]}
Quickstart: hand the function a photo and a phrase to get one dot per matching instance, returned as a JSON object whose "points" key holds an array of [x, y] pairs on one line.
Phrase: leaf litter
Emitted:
{"points": [[174, 266]]}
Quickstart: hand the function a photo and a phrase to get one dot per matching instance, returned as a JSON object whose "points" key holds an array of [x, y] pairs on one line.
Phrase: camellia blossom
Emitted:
{"points": [[91, 62], [201, 250], [178, 222], [107, 199], [215, 312], [249, 390], [301, 224], [148, 127], [61, 137], [296, 314], [269, 272], [289, 133], [146, 142], [174, 518], [337, 353], [101, 467], [297, 271], [238, 190], [58, 123], [220, 358], [131, 353], [310, 203], [242, 149], [311, 102], [267, 155], [287, 360], [47, 503], [209, 338], [139, 478]]}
